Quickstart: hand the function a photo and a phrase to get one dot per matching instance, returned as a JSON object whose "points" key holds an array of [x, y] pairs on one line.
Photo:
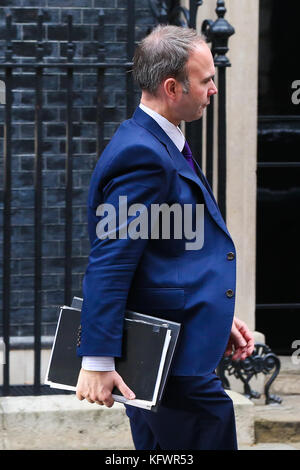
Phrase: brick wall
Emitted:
{"points": [[85, 17]]}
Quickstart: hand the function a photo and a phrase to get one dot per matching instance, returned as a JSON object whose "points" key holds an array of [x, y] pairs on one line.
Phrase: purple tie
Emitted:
{"points": [[187, 153]]}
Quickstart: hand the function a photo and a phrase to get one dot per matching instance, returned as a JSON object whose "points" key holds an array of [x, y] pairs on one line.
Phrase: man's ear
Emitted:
{"points": [[171, 88]]}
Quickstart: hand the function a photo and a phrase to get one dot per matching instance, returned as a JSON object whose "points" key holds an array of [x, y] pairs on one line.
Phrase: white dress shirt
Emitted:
{"points": [[103, 363], [170, 129]]}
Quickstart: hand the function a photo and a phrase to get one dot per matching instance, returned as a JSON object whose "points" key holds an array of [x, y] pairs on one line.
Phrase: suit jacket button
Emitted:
{"points": [[230, 256], [229, 293]]}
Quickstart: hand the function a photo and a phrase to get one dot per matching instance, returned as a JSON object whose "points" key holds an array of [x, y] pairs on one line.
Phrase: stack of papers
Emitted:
{"points": [[147, 351]]}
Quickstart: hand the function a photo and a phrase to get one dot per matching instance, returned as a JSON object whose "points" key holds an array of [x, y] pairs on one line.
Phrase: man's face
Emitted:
{"points": [[201, 70]]}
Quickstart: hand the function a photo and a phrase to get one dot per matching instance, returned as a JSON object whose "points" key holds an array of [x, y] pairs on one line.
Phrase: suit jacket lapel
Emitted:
{"points": [[181, 164]]}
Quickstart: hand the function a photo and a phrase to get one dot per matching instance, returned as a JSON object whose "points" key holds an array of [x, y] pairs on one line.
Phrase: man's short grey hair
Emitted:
{"points": [[163, 54]]}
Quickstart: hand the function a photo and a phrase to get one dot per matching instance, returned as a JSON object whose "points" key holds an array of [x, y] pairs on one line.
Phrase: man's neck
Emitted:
{"points": [[159, 107]]}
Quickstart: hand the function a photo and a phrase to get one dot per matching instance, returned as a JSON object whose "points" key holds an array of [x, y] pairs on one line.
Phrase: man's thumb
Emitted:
{"points": [[126, 392]]}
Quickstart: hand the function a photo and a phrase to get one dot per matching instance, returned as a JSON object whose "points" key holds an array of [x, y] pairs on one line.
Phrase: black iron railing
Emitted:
{"points": [[40, 66]]}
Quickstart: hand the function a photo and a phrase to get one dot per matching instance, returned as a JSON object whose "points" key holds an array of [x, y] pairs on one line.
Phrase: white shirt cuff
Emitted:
{"points": [[98, 363]]}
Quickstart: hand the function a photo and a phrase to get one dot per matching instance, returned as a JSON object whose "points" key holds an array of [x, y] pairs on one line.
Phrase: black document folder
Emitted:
{"points": [[147, 351]]}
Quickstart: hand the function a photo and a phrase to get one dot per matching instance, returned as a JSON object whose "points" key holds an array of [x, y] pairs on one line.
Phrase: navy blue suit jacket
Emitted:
{"points": [[156, 276]]}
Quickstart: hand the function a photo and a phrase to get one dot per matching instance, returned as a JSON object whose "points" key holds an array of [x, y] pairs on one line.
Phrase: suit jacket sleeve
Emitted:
{"points": [[141, 175]]}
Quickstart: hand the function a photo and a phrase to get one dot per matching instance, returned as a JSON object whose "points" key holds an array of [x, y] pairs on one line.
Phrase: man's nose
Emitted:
{"points": [[213, 90]]}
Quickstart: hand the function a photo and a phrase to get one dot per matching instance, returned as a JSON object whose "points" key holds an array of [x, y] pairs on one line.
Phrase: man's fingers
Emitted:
{"points": [[242, 353], [102, 398], [109, 402], [79, 395], [96, 387], [244, 330], [251, 344], [105, 397], [241, 340]]}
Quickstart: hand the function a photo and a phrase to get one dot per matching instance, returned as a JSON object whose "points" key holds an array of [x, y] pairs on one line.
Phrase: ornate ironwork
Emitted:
{"points": [[159, 10], [179, 16], [218, 33], [172, 12], [262, 360]]}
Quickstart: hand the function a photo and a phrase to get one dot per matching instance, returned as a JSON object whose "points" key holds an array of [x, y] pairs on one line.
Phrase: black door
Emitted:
{"points": [[278, 176]]}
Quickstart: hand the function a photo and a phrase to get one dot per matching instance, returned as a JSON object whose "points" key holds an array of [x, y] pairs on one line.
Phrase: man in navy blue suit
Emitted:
{"points": [[146, 166]]}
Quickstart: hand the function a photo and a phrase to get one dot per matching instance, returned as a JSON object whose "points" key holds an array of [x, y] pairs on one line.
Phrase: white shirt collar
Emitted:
{"points": [[170, 129]]}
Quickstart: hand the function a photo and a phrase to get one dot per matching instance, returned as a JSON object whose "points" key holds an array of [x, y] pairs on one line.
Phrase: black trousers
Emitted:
{"points": [[195, 414]]}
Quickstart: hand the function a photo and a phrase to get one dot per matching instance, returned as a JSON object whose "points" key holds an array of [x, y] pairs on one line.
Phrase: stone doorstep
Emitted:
{"points": [[288, 366], [277, 431], [286, 384], [288, 380], [278, 422], [63, 422]]}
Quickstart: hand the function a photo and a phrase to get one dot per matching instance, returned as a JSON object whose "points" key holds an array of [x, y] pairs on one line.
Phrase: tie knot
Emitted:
{"points": [[186, 151]]}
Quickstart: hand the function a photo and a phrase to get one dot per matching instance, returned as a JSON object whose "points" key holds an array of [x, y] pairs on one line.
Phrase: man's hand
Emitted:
{"points": [[96, 387], [241, 341]]}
